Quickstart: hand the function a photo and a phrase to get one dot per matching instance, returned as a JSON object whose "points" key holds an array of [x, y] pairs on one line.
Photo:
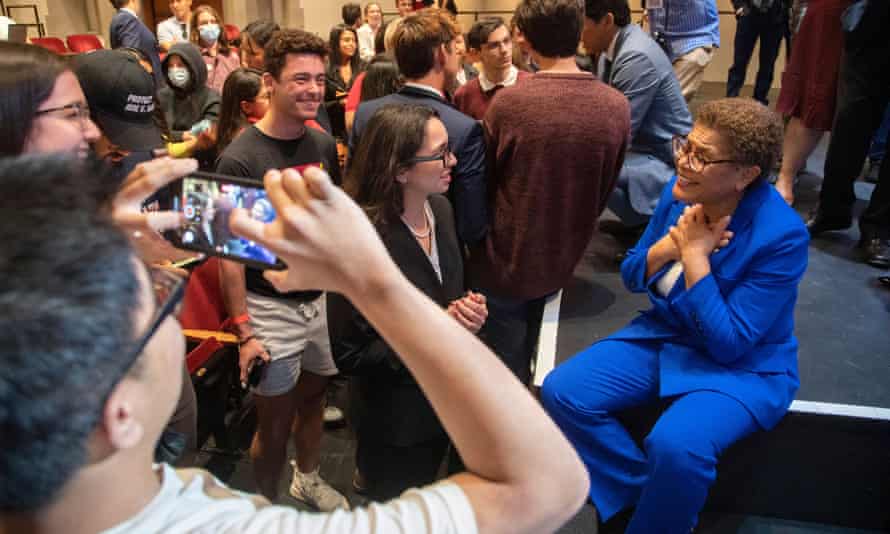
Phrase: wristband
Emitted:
{"points": [[241, 319]]}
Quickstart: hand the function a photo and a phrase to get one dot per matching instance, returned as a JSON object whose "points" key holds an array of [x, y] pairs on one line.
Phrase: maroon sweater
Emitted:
{"points": [[473, 101], [555, 148]]}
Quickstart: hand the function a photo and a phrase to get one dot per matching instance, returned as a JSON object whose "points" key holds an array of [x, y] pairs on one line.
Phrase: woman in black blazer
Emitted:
{"points": [[401, 169]]}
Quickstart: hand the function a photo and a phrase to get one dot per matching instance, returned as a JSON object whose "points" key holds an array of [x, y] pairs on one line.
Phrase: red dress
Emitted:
{"points": [[809, 83]]}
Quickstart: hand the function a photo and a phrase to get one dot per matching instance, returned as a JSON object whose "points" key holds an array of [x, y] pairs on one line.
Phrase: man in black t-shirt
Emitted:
{"points": [[287, 330]]}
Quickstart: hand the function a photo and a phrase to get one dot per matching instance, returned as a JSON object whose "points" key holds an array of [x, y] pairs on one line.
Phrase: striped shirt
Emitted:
{"points": [[691, 24]]}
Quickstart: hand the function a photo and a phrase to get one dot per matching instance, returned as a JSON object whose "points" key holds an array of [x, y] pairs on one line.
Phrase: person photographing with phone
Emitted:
{"points": [[287, 330], [121, 348]]}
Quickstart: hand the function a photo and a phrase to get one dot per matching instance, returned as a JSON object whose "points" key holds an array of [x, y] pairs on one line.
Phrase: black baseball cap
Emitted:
{"points": [[121, 96]]}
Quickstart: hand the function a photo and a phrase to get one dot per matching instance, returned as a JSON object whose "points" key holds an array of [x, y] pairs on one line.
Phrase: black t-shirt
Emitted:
{"points": [[253, 153]]}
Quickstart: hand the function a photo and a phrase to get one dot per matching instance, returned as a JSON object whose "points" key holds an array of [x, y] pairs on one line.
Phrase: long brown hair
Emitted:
{"points": [[195, 36], [392, 137], [242, 84]]}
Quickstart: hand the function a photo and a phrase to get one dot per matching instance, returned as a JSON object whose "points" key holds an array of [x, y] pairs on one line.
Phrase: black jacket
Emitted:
{"points": [[128, 31], [389, 400]]}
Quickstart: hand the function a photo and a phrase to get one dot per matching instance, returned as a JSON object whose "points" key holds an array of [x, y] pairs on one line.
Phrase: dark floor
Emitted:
{"points": [[842, 324]]}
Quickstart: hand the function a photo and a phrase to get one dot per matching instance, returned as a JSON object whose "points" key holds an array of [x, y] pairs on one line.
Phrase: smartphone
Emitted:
{"points": [[255, 372], [207, 200]]}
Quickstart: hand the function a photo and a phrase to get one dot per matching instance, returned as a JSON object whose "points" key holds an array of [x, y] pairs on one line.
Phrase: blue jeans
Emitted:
{"points": [[879, 141], [668, 481]]}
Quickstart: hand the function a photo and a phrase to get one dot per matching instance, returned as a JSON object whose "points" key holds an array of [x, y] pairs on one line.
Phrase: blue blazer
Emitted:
{"points": [[127, 31], [733, 331], [658, 111], [468, 189]]}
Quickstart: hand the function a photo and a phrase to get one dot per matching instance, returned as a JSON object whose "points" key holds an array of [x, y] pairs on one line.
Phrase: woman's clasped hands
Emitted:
{"points": [[470, 311], [695, 235]]}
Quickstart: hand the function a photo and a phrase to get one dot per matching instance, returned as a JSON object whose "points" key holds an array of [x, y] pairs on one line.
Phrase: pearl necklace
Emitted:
{"points": [[418, 235]]}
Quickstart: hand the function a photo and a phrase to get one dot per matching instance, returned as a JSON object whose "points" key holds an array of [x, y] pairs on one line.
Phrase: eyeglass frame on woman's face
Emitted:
{"points": [[168, 289], [443, 157], [81, 113], [679, 144]]}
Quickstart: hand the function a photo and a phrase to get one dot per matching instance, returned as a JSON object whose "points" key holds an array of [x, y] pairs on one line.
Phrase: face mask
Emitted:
{"points": [[209, 33], [179, 76]]}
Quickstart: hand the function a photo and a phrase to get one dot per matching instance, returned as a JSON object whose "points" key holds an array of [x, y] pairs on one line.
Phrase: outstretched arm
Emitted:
{"points": [[522, 475]]}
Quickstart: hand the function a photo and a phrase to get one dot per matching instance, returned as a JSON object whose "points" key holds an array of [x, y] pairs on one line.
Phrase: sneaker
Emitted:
{"points": [[333, 415], [311, 489]]}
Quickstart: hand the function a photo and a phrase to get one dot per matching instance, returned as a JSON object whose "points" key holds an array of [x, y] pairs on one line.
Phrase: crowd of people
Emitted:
{"points": [[434, 188]]}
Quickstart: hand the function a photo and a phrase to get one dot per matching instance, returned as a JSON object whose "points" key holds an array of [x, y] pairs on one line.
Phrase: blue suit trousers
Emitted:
{"points": [[668, 481]]}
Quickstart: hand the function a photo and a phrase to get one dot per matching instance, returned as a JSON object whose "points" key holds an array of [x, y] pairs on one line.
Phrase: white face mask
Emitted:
{"points": [[209, 33], [179, 76]]}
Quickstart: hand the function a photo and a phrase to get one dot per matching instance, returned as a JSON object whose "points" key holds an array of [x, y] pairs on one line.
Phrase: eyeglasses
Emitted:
{"points": [[694, 162], [81, 112], [443, 156], [169, 289]]}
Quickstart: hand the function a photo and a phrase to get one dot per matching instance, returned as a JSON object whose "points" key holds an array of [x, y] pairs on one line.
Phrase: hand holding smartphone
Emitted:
{"points": [[255, 372], [206, 201]]}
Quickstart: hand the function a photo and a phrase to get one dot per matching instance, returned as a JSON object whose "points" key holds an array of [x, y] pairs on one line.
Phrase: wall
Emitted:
{"points": [[64, 17]]}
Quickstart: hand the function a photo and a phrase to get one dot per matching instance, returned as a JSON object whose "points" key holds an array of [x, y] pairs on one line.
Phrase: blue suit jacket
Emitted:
{"points": [[658, 111], [465, 135], [127, 31], [732, 331]]}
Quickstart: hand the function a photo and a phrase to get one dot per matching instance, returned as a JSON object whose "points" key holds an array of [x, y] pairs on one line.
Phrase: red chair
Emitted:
{"points": [[212, 359], [53, 44], [85, 42], [203, 316]]}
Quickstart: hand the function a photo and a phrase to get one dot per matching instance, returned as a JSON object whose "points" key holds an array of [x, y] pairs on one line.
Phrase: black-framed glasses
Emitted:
{"points": [[81, 112], [169, 289], [443, 157], [694, 161]]}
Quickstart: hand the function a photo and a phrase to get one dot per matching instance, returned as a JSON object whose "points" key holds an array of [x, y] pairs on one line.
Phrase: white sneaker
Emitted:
{"points": [[333, 415], [311, 489]]}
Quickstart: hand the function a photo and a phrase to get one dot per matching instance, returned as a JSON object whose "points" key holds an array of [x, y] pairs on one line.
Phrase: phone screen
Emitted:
{"points": [[207, 203]]}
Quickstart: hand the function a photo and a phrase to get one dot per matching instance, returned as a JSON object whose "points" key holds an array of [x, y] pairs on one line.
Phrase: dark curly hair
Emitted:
{"points": [[291, 41], [752, 131]]}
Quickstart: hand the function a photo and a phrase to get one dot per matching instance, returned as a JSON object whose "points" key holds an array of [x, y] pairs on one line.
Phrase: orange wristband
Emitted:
{"points": [[241, 319]]}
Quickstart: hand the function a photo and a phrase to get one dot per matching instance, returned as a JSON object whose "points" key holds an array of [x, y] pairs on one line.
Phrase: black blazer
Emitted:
{"points": [[389, 400], [468, 190], [127, 31]]}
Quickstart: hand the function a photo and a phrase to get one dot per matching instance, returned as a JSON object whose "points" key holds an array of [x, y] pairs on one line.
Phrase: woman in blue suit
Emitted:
{"points": [[721, 261]]}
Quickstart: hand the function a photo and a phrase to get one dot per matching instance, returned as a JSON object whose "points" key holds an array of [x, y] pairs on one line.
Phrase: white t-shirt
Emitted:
{"points": [[666, 283], [193, 501], [170, 31], [366, 36]]}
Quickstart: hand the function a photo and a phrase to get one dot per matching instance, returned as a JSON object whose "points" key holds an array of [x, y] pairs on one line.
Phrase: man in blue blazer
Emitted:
{"points": [[630, 61], [127, 31], [426, 54], [721, 261]]}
